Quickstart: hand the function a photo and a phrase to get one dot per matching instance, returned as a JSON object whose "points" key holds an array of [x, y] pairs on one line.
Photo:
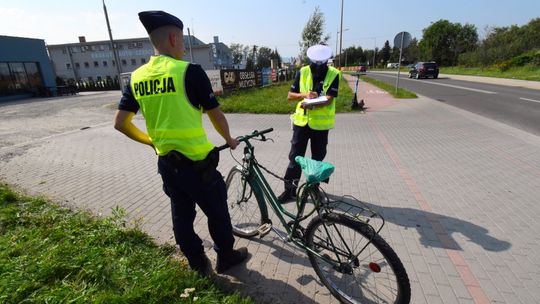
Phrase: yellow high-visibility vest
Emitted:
{"points": [[172, 122], [321, 118]]}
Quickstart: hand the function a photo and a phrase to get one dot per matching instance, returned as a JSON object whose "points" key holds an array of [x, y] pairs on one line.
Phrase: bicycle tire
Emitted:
{"points": [[360, 280], [243, 208]]}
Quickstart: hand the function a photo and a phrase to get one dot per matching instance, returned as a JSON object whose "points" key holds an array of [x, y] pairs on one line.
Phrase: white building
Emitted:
{"points": [[95, 61]]}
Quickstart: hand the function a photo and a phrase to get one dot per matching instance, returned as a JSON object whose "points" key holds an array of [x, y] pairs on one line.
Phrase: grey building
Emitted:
{"points": [[95, 61], [221, 55], [25, 69]]}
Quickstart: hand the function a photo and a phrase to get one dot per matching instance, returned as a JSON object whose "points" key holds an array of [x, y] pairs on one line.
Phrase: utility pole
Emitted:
{"points": [[190, 48], [341, 35], [112, 44]]}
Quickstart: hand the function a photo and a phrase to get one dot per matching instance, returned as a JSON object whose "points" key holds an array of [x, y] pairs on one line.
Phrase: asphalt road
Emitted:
{"points": [[514, 106], [24, 121]]}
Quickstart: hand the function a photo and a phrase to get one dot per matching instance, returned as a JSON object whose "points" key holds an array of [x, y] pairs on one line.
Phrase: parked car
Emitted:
{"points": [[392, 65], [424, 70]]}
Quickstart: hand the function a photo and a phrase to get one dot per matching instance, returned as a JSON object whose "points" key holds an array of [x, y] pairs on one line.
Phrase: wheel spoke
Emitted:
{"points": [[349, 277]]}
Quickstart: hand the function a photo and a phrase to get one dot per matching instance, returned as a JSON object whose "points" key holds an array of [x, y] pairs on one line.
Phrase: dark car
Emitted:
{"points": [[424, 70], [361, 69]]}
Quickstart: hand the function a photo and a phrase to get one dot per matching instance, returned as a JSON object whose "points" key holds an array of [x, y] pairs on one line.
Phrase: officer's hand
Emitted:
{"points": [[312, 94], [233, 143]]}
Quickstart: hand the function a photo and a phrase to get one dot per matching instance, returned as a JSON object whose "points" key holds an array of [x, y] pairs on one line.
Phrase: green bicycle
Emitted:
{"points": [[346, 251]]}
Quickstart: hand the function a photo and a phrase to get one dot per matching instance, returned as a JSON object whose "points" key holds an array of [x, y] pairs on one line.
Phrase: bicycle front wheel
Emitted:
{"points": [[354, 269], [243, 207]]}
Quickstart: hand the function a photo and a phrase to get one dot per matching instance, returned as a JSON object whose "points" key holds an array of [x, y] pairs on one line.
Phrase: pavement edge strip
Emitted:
{"points": [[465, 272]]}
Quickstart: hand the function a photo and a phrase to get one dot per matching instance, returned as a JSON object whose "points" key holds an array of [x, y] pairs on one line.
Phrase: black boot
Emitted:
{"points": [[227, 260], [286, 196]]}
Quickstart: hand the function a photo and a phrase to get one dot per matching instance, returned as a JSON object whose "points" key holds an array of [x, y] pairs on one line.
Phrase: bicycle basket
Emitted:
{"points": [[315, 171]]}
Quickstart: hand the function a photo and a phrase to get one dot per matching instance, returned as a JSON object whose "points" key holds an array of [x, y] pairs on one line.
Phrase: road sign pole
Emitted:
{"points": [[399, 62]]}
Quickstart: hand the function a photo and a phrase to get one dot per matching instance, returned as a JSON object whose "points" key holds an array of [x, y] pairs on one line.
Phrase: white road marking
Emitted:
{"points": [[529, 99], [452, 86]]}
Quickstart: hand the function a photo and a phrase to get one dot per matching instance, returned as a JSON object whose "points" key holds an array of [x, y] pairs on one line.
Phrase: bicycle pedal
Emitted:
{"points": [[264, 229]]}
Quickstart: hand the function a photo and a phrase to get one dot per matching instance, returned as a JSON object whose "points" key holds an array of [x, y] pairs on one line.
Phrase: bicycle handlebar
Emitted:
{"points": [[247, 137]]}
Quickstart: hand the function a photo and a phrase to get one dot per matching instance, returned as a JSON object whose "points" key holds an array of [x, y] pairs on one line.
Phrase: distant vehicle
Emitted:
{"points": [[392, 65], [361, 69], [424, 70]]}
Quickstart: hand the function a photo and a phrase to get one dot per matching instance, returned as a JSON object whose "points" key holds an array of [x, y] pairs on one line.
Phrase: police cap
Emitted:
{"points": [[156, 19], [319, 53]]}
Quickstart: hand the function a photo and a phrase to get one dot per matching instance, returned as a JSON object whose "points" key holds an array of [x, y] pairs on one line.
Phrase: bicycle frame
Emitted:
{"points": [[264, 194]]}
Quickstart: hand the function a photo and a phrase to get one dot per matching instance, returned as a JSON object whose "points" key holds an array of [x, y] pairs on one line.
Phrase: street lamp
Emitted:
{"points": [[338, 35]]}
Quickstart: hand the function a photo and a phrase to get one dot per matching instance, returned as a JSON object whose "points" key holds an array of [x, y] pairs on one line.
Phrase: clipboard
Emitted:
{"points": [[315, 101]]}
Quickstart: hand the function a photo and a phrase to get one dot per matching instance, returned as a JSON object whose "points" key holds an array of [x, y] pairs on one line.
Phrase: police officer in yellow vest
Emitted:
{"points": [[311, 122], [172, 95]]}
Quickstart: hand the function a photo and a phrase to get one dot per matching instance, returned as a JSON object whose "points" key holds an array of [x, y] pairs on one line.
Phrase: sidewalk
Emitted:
{"points": [[459, 193]]}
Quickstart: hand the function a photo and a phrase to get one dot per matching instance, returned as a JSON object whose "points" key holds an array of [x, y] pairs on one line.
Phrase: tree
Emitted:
{"points": [[237, 52], [251, 58], [263, 57], [385, 52], [313, 32], [276, 57], [412, 52], [444, 41]]}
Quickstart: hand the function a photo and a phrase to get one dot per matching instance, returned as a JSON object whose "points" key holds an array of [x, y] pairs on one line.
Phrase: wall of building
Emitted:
{"points": [[26, 62], [85, 61]]}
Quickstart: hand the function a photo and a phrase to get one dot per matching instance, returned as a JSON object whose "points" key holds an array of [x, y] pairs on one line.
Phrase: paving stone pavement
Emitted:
{"points": [[459, 192]]}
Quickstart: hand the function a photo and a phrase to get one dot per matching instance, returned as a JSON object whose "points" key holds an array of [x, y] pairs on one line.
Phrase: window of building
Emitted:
{"points": [[64, 51], [19, 75], [96, 64], [68, 66], [75, 49], [6, 83], [90, 78], [86, 65], [99, 78], [77, 65], [124, 62], [104, 63], [143, 60], [114, 63], [34, 76], [133, 62]]}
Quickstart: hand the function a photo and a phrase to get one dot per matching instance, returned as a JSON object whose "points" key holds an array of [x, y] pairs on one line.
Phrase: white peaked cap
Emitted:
{"points": [[319, 52]]}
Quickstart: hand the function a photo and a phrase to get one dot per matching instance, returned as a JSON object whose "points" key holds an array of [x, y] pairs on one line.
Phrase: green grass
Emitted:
{"points": [[401, 93], [523, 73], [49, 254], [273, 99]]}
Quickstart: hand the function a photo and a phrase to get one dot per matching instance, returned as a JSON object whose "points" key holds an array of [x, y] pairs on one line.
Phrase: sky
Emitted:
{"points": [[276, 24]]}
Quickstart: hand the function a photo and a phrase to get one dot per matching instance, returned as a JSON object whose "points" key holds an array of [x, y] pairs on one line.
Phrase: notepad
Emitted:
{"points": [[315, 101]]}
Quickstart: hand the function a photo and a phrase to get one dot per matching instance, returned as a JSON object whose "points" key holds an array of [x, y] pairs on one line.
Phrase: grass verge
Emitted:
{"points": [[523, 73], [273, 99], [49, 254], [401, 93]]}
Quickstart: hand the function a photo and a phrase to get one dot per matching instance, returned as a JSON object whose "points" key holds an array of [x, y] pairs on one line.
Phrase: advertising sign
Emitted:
{"points": [[215, 80]]}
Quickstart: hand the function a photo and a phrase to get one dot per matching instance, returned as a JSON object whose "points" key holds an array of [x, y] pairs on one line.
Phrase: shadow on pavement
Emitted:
{"points": [[262, 289], [435, 230]]}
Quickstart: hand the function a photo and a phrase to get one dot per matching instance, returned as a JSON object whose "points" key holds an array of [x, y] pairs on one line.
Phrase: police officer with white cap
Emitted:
{"points": [[311, 122], [172, 95]]}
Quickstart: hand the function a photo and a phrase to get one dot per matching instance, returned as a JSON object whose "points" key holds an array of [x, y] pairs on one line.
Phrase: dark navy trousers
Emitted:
{"points": [[299, 143], [185, 189]]}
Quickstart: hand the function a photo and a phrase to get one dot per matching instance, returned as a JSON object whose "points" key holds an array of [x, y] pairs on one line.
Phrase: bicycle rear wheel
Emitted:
{"points": [[243, 207], [372, 275]]}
